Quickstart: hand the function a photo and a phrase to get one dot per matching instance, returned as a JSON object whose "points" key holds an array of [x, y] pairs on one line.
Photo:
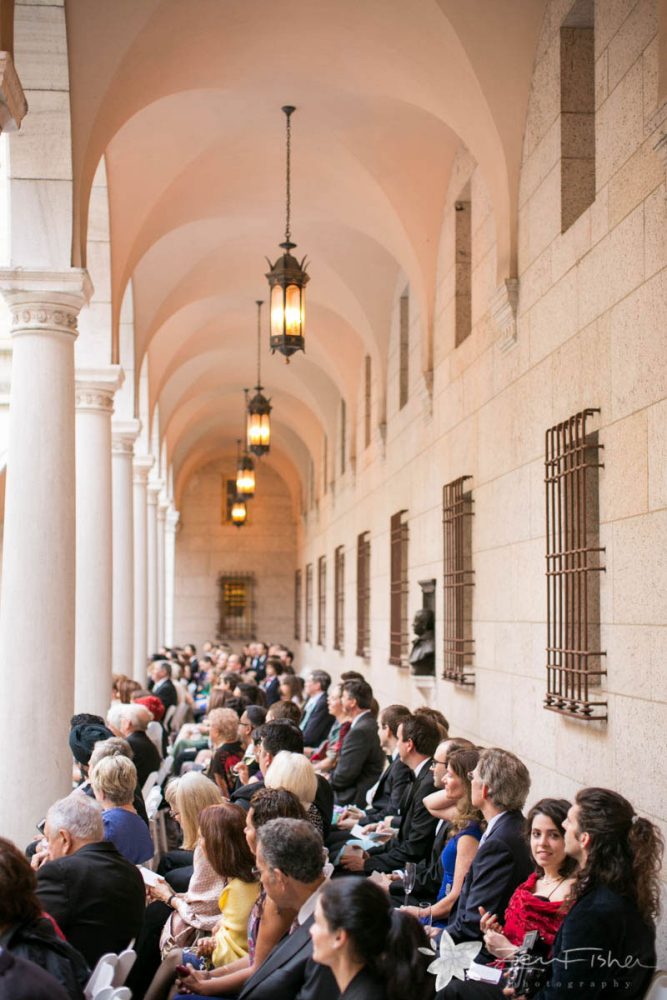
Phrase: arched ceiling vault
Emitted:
{"points": [[208, 451], [183, 99]]}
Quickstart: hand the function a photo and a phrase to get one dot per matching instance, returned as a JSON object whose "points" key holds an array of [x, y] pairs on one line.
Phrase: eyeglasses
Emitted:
{"points": [[435, 763]]}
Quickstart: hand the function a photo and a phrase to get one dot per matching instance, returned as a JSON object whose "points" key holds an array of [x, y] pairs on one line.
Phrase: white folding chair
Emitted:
{"points": [[168, 716], [101, 977], [658, 988], [111, 993], [166, 768], [154, 733], [149, 785]]}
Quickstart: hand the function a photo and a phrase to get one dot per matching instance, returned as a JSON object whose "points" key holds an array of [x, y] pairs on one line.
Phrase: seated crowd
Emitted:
{"points": [[319, 846]]}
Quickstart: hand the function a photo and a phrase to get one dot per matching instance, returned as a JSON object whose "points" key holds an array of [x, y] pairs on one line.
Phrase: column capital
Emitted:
{"points": [[141, 466], [13, 105], [46, 302], [154, 489], [173, 520], [164, 503], [123, 435], [95, 388]]}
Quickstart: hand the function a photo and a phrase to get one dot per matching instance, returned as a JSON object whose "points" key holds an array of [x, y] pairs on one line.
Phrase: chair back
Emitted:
{"points": [[154, 733]]}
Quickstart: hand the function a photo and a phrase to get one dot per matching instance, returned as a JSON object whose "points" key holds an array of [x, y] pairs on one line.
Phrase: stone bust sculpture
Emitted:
{"points": [[422, 654]]}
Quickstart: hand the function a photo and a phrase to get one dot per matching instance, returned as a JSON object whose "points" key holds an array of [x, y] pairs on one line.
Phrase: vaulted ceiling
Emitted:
{"points": [[183, 100]]}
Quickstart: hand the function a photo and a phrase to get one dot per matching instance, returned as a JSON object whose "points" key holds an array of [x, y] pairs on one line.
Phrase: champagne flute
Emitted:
{"points": [[409, 879]]}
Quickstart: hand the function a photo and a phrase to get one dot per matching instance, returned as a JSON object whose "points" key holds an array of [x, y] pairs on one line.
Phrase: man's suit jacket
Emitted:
{"points": [[416, 832], [166, 692], [319, 723], [146, 758], [96, 897], [605, 926], [324, 802], [392, 787], [360, 764], [429, 874], [289, 972], [272, 691], [502, 862]]}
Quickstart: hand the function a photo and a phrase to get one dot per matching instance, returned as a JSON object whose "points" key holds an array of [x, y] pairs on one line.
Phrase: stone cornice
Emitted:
{"points": [[13, 104]]}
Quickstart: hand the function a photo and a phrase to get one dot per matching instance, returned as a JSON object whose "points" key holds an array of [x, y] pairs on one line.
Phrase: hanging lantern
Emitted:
{"points": [[259, 407], [239, 512], [287, 279], [245, 474]]}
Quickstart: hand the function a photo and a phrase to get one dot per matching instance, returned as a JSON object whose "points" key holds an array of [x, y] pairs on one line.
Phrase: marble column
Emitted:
{"points": [[123, 435], [171, 527], [141, 466], [152, 565], [162, 507], [95, 389], [38, 573]]}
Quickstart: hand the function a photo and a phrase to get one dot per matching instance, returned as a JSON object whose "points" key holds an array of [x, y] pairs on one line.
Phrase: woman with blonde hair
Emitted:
{"points": [[297, 775], [177, 919], [465, 833], [114, 780]]}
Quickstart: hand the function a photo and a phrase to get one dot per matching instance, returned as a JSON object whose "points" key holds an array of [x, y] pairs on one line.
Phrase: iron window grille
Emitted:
{"points": [[363, 594], [458, 583], [574, 559], [236, 606], [398, 590], [321, 600], [339, 598], [309, 602], [298, 587]]}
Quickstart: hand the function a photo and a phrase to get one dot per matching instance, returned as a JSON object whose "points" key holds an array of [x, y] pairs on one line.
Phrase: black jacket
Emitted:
{"points": [[146, 758], [23, 980], [319, 723], [603, 949], [365, 987], [289, 972], [416, 832], [428, 878], [96, 897], [502, 862], [37, 941], [392, 787], [166, 692], [360, 764]]}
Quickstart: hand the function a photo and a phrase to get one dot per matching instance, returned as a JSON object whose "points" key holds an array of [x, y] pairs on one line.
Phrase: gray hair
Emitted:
{"points": [[294, 847], [137, 715], [320, 677], [115, 746], [506, 777], [115, 714], [80, 815]]}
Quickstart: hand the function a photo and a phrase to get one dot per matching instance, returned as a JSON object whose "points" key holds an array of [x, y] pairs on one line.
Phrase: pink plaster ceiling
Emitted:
{"points": [[183, 100]]}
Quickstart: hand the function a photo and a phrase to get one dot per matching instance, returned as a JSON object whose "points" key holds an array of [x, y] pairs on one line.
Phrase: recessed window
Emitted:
{"points": [[458, 581], [463, 266], [309, 602], [577, 107], [339, 598], [367, 401], [236, 607], [398, 597], [364, 594], [404, 349], [321, 600]]}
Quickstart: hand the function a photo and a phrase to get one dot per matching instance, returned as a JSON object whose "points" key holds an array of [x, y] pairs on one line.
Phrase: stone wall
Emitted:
{"points": [[205, 548], [591, 332]]}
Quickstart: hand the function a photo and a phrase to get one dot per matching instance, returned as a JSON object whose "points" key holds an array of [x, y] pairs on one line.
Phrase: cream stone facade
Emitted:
{"points": [[480, 188]]}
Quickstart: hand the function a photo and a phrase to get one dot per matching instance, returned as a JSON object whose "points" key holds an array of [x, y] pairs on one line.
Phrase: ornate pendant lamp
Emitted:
{"points": [[259, 407], [245, 474], [287, 279], [239, 512]]}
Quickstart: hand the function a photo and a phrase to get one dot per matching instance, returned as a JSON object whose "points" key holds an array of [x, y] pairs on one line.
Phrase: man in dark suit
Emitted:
{"points": [[316, 720], [271, 683], [285, 735], [289, 860], [133, 722], [95, 895], [163, 687], [361, 760], [500, 786], [418, 738], [609, 932], [428, 877]]}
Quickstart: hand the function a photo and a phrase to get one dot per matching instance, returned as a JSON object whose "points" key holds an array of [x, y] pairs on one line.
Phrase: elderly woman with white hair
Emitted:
{"points": [[296, 774], [114, 780]]}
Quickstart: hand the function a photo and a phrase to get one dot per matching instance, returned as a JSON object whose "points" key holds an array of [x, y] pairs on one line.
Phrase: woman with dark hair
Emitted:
{"points": [[267, 924], [224, 845], [371, 948], [27, 933], [291, 689], [538, 904]]}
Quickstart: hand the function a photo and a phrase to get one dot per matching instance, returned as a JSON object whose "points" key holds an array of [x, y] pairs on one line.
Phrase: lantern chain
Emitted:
{"points": [[260, 303]]}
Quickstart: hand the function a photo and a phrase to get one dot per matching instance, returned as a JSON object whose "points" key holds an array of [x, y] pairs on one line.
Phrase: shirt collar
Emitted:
{"points": [[360, 716], [308, 907], [420, 767], [492, 822]]}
